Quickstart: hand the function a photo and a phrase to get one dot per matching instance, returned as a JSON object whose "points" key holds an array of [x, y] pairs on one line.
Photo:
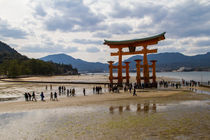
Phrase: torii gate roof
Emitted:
{"points": [[136, 42]]}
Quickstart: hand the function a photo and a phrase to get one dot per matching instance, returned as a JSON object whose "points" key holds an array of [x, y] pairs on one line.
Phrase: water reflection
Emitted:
{"points": [[145, 107], [199, 91]]}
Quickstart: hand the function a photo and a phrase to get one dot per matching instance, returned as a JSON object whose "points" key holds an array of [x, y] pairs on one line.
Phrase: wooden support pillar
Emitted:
{"points": [[138, 72], [120, 79], [153, 71], [127, 72], [111, 71], [145, 66]]}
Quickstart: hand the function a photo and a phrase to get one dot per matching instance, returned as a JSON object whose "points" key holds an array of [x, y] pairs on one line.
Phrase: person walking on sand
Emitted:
{"points": [[51, 96], [73, 92], [42, 96], [26, 96], [67, 93], [29, 97], [33, 96], [84, 91], [55, 96], [134, 92], [70, 92]]}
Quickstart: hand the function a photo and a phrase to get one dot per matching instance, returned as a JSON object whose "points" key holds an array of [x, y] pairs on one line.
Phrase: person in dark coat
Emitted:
{"points": [[33, 96], [55, 96], [42, 96], [134, 92], [51, 96], [84, 91], [26, 96]]}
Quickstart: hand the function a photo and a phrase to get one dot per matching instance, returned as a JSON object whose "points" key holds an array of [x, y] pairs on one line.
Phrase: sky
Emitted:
{"points": [[37, 28]]}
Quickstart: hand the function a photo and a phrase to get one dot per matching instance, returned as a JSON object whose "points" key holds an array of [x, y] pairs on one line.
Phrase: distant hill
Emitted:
{"points": [[173, 61], [165, 62], [7, 53], [81, 65], [13, 64]]}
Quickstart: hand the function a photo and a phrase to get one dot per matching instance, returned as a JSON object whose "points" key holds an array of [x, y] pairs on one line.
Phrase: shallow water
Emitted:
{"points": [[15, 91], [199, 91], [104, 121]]}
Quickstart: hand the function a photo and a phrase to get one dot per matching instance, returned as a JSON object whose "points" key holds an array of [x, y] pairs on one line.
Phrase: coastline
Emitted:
{"points": [[101, 99]]}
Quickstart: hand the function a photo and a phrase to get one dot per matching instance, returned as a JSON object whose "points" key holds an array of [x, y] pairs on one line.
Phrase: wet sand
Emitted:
{"points": [[152, 114], [170, 115], [97, 99]]}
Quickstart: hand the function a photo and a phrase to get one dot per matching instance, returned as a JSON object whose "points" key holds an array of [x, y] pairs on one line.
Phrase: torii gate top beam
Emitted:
{"points": [[135, 42]]}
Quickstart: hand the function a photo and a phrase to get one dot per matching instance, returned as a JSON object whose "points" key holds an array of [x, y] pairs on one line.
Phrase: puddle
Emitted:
{"points": [[146, 108], [82, 121], [199, 91], [11, 92]]}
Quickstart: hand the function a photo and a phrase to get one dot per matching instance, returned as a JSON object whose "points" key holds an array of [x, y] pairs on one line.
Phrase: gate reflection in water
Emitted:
{"points": [[145, 107]]}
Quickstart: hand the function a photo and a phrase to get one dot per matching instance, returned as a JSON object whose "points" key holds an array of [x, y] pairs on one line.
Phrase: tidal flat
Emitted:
{"points": [[163, 113], [182, 115]]}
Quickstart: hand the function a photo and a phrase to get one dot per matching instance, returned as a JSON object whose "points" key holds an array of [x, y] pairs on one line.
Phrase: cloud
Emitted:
{"points": [[87, 41], [49, 49], [139, 10], [92, 50], [40, 11], [7, 31], [73, 16], [102, 35], [117, 28], [187, 19], [202, 43]]}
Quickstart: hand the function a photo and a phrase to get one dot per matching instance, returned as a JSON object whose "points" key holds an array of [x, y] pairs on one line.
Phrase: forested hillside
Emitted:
{"points": [[13, 64]]}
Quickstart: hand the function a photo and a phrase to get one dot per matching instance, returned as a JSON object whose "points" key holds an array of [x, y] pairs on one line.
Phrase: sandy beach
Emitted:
{"points": [[84, 100], [164, 113]]}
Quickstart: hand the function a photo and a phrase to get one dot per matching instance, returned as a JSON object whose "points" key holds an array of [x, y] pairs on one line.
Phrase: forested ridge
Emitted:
{"points": [[13, 64]]}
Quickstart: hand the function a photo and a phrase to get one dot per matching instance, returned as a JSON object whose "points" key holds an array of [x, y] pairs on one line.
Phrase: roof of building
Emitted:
{"points": [[124, 42]]}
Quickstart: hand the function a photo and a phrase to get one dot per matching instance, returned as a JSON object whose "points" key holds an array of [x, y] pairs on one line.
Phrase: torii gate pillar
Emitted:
{"points": [[154, 71], [138, 72], [111, 71], [127, 72]]}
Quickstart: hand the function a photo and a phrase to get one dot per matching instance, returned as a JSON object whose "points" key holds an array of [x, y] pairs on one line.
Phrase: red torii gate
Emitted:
{"points": [[131, 45]]}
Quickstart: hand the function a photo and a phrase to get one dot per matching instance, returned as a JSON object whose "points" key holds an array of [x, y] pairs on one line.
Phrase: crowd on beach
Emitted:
{"points": [[62, 90]]}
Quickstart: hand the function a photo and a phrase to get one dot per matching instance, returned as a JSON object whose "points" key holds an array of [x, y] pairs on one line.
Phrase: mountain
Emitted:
{"points": [[81, 65], [7, 53], [165, 62], [173, 61], [13, 64]]}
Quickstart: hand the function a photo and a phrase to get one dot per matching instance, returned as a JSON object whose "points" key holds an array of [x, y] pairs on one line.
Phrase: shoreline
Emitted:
{"points": [[175, 95]]}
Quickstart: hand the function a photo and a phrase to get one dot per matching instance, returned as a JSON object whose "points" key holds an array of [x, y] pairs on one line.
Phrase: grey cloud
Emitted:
{"points": [[92, 50], [187, 19], [203, 43], [7, 31], [119, 28], [86, 41], [204, 50], [165, 42], [53, 49], [75, 16], [157, 12], [102, 35], [40, 11], [171, 49]]}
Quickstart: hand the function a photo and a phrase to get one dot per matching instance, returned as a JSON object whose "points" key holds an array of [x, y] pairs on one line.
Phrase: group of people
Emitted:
{"points": [[97, 90], [53, 97], [30, 97], [62, 90], [166, 84]]}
